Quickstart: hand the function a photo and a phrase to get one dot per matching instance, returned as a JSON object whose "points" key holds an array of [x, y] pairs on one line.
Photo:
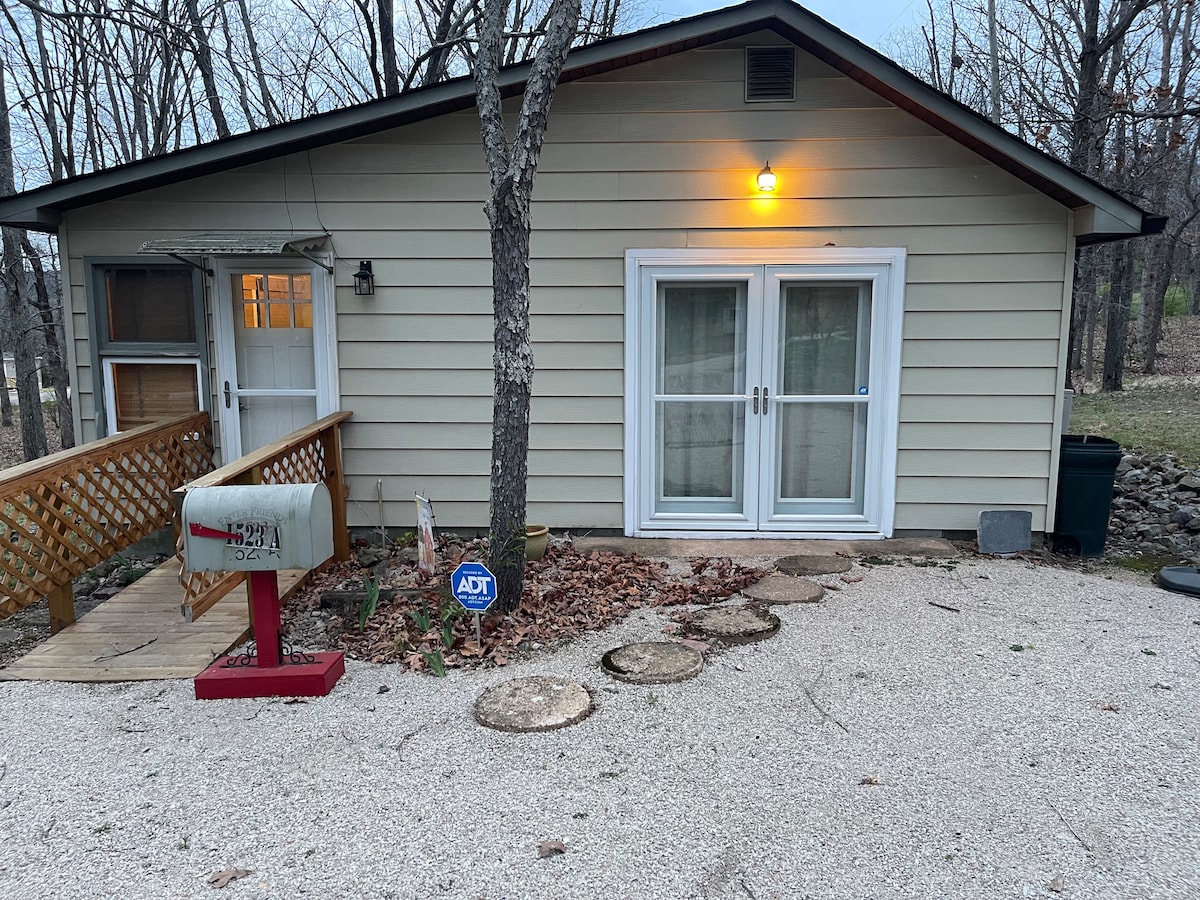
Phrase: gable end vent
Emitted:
{"points": [[770, 73]]}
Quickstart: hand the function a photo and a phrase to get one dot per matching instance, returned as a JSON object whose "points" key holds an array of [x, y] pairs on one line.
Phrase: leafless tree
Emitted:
{"points": [[512, 165]]}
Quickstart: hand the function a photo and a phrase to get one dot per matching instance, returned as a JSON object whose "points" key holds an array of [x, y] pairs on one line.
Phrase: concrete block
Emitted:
{"points": [[1005, 531]]}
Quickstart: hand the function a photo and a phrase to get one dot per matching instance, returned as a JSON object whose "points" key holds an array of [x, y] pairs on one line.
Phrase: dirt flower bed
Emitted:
{"points": [[416, 622]]}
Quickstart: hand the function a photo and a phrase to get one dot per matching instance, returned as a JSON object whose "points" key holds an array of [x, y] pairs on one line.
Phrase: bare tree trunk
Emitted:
{"points": [[29, 395], [1120, 296], [512, 168], [993, 62], [202, 52], [53, 338], [387, 46], [5, 398]]}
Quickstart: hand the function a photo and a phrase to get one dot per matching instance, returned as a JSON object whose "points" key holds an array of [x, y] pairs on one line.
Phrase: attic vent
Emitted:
{"points": [[770, 73]]}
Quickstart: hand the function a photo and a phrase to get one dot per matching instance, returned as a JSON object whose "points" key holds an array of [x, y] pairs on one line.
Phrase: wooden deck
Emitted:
{"points": [[141, 635]]}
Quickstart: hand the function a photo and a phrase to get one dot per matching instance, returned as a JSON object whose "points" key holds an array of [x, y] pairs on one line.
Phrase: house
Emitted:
{"points": [[875, 347]]}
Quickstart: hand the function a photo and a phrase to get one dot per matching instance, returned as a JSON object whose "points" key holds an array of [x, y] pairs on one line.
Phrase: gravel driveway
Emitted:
{"points": [[878, 746]]}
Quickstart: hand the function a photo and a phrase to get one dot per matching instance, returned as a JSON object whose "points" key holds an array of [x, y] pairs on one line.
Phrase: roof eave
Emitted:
{"points": [[41, 208]]}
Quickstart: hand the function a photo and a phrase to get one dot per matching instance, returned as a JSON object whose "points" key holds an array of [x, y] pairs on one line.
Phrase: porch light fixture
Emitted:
{"points": [[364, 279], [766, 178]]}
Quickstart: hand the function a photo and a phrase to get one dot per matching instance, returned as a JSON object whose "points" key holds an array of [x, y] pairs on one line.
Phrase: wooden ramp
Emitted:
{"points": [[141, 635]]}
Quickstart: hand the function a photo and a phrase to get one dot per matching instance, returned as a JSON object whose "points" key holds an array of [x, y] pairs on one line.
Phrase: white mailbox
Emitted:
{"points": [[257, 528]]}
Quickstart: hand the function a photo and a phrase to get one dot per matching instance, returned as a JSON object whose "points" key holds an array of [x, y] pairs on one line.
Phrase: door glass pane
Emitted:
{"points": [[824, 338], [821, 448], [700, 452], [701, 339]]}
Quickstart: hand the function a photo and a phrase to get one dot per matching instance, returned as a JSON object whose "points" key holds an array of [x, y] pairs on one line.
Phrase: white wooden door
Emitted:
{"points": [[276, 374]]}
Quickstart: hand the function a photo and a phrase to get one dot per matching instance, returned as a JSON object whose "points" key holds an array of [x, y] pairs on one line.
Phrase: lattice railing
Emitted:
{"points": [[67, 512], [306, 456]]}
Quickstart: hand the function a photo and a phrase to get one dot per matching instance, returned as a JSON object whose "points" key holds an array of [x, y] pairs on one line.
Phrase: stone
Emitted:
{"points": [[1190, 482], [1184, 514], [656, 662], [535, 703], [8, 635], [1005, 531], [736, 624], [812, 565], [784, 589]]}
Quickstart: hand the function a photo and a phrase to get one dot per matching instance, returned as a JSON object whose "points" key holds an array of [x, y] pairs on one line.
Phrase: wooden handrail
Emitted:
{"points": [[69, 511], [308, 455]]}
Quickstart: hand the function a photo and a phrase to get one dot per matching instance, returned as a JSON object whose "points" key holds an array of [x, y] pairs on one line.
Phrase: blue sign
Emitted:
{"points": [[473, 586]]}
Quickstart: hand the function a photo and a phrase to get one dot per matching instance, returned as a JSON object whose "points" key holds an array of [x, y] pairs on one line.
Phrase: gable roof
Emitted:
{"points": [[1101, 214]]}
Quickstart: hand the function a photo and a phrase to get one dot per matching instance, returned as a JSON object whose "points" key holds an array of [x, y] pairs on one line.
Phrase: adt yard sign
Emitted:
{"points": [[473, 586]]}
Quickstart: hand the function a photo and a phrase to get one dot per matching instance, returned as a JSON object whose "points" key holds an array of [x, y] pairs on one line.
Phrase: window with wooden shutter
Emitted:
{"points": [[149, 390], [148, 331]]}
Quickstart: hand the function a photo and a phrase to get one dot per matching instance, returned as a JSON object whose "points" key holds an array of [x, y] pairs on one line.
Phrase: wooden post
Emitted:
{"points": [[62, 607], [335, 480]]}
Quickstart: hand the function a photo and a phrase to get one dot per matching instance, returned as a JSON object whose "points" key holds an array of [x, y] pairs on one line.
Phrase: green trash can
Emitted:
{"points": [[1087, 468]]}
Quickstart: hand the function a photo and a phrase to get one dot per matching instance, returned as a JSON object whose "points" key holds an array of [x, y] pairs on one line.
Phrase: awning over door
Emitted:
{"points": [[238, 243]]}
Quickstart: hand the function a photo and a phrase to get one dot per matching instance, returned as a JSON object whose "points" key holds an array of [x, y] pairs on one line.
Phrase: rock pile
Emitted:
{"points": [[1156, 508]]}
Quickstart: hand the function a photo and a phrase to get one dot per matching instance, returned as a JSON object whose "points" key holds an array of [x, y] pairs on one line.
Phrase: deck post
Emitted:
{"points": [[62, 607], [336, 482]]}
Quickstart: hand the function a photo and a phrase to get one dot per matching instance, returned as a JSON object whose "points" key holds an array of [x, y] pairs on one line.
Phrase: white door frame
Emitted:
{"points": [[885, 268], [324, 339]]}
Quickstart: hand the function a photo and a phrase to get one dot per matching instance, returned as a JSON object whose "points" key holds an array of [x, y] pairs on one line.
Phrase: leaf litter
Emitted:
{"points": [[567, 593]]}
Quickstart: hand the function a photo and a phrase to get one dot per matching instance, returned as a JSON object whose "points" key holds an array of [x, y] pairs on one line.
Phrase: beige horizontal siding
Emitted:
{"points": [[475, 436], [960, 325], [657, 155], [949, 382], [478, 382], [437, 461], [976, 408], [974, 463], [545, 410], [969, 489], [974, 436], [932, 515]]}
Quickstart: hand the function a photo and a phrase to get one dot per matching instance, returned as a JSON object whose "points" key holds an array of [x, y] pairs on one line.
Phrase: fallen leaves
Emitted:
{"points": [[566, 594], [221, 879]]}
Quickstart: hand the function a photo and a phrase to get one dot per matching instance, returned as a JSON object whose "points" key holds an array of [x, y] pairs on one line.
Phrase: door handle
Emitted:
{"points": [[756, 401], [766, 397], [228, 404]]}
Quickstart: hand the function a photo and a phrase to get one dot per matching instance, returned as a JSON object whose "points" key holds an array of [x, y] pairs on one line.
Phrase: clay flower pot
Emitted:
{"points": [[536, 537]]}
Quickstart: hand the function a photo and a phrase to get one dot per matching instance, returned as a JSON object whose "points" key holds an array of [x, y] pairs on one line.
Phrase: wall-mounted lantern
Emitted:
{"points": [[364, 279], [766, 178]]}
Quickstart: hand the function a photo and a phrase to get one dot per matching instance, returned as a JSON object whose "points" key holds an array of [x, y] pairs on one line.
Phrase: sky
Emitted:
{"points": [[867, 20]]}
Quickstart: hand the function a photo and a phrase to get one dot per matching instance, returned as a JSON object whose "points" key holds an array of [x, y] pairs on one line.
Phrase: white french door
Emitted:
{"points": [[763, 397], [276, 356]]}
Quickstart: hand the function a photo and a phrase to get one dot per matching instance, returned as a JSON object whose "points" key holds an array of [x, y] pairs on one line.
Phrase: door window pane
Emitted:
{"points": [[701, 339], [290, 299], [701, 450], [820, 449], [824, 336], [151, 304]]}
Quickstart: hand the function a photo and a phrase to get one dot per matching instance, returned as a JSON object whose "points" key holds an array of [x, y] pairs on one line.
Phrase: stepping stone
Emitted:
{"points": [[812, 565], [784, 589], [656, 662], [736, 624], [536, 703]]}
